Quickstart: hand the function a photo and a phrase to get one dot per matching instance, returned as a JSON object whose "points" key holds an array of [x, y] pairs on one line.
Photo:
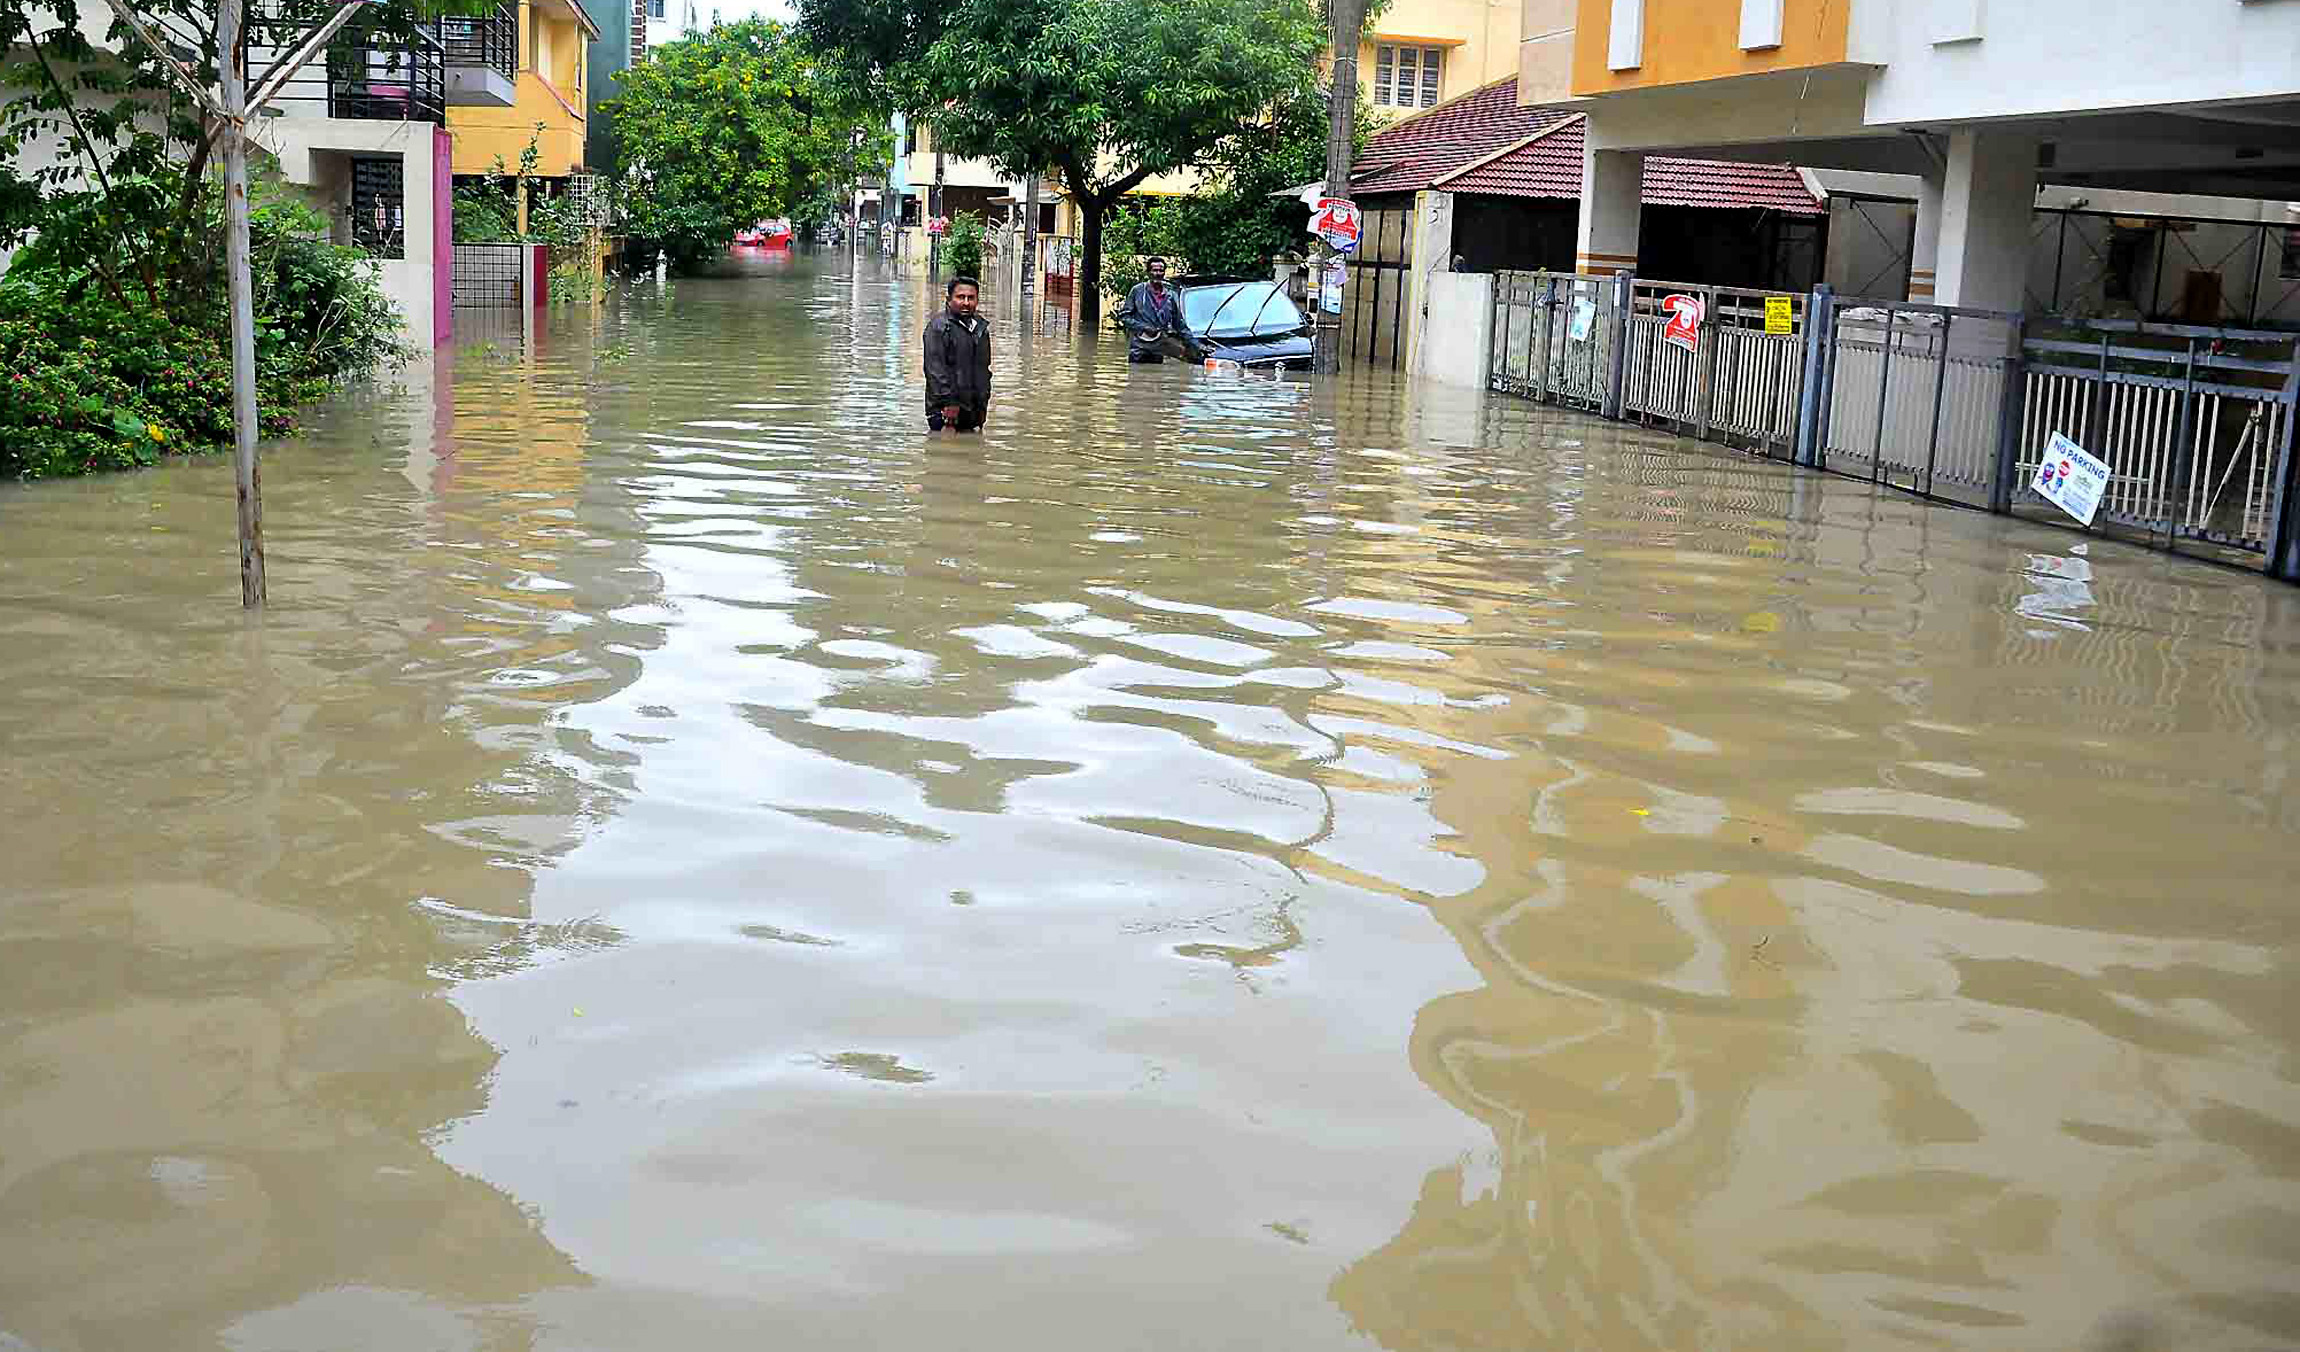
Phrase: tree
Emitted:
{"points": [[733, 126], [1239, 222], [1105, 92]]}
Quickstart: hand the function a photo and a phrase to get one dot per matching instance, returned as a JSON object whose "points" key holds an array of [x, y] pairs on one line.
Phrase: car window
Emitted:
{"points": [[1239, 309]]}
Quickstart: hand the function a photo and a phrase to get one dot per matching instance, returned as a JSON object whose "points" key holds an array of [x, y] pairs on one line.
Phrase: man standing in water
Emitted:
{"points": [[1151, 313], [958, 361]]}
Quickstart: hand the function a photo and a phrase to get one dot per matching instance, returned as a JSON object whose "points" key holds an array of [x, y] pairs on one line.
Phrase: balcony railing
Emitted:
{"points": [[490, 42], [382, 78]]}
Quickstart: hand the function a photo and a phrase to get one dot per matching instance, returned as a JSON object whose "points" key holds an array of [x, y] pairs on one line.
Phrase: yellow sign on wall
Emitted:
{"points": [[1779, 317]]}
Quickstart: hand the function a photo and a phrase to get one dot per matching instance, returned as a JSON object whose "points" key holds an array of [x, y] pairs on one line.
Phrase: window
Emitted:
{"points": [[2288, 267], [1407, 77], [657, 9]]}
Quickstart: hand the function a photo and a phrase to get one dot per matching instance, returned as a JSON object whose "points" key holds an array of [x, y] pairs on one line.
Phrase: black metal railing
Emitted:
{"points": [[490, 42], [385, 78]]}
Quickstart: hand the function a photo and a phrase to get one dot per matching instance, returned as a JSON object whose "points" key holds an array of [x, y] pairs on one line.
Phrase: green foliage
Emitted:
{"points": [[484, 215], [96, 381], [962, 247], [736, 125], [1137, 233], [1235, 227], [1108, 92]]}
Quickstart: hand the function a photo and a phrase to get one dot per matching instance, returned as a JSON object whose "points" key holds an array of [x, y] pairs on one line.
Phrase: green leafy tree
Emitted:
{"points": [[1239, 222], [1105, 92], [733, 126]]}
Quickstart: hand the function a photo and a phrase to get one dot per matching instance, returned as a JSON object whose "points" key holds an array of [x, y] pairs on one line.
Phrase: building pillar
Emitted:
{"points": [[1433, 250], [1987, 199], [1925, 247], [1612, 195]]}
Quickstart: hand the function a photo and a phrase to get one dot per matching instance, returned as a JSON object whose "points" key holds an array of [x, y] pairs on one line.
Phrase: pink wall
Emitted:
{"points": [[442, 236]]}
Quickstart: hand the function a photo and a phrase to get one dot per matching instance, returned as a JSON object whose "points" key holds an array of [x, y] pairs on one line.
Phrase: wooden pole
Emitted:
{"points": [[1341, 134], [241, 289]]}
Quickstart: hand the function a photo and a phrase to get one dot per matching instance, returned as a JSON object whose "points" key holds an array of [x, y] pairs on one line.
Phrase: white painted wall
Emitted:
{"points": [[2038, 57], [1450, 347], [312, 153]]}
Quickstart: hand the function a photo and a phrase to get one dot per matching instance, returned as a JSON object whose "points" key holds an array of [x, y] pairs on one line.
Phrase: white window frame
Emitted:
{"points": [[1408, 84], [1760, 24], [1625, 45]]}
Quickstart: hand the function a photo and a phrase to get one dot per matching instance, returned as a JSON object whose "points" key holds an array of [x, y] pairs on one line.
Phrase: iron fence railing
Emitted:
{"points": [[2197, 424], [490, 41], [369, 75]]}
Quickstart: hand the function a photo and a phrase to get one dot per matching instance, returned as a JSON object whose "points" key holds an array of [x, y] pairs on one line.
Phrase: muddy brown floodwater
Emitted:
{"points": [[689, 863]]}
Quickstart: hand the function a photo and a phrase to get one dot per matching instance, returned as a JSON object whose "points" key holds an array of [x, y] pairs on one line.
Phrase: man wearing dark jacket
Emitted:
{"points": [[958, 361], [1152, 316]]}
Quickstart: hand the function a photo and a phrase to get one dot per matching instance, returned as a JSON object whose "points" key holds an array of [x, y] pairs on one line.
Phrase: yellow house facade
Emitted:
{"points": [[554, 42]]}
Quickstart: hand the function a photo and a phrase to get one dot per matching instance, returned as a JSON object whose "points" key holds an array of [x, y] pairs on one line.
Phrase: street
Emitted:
{"points": [[687, 860]]}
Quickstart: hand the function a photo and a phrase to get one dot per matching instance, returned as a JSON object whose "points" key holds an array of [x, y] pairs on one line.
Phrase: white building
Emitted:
{"points": [[1982, 102]]}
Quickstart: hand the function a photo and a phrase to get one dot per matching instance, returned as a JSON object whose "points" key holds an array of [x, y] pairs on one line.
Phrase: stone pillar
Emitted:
{"points": [[1925, 248], [1987, 199], [1433, 251], [1612, 195]]}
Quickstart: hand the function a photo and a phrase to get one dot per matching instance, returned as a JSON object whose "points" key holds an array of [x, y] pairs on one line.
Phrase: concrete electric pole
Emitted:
{"points": [[1341, 133]]}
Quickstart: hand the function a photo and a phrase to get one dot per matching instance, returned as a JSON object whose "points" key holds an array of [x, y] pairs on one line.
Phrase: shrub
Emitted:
{"points": [[1134, 236], [92, 380], [962, 246]]}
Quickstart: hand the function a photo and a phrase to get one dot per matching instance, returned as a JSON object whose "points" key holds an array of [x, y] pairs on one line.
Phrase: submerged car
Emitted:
{"points": [[1251, 322]]}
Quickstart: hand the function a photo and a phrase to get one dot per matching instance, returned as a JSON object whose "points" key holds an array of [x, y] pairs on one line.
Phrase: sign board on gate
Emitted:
{"points": [[1780, 315], [1337, 222], [1684, 328], [2071, 478], [1584, 318]]}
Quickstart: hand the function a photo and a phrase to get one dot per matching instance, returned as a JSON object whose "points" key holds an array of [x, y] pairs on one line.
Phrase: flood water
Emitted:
{"points": [[688, 862]]}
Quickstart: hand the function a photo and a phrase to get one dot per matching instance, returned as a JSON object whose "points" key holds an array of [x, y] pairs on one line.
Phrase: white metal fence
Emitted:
{"points": [[2197, 424]]}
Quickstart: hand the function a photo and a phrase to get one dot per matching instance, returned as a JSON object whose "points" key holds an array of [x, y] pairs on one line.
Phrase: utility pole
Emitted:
{"points": [[1341, 134], [1029, 259], [934, 212]]}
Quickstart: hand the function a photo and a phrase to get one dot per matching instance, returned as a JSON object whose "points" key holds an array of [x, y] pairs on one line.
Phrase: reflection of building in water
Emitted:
{"points": [[223, 1044], [1811, 1015]]}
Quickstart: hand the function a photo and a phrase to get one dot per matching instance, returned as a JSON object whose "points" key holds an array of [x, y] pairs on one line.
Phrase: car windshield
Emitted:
{"points": [[1239, 310]]}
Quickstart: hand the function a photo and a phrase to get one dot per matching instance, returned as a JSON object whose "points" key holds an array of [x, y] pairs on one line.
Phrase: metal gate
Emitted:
{"points": [[490, 275], [2200, 426], [1374, 318], [2196, 423], [1554, 337]]}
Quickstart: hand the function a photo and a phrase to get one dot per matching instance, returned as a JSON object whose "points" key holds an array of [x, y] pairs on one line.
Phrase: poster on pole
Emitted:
{"points": [[1780, 315], [1684, 327], [2071, 478], [1330, 290], [1584, 318], [1337, 222]]}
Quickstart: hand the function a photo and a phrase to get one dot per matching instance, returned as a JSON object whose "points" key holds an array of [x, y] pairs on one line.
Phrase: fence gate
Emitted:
{"points": [[1914, 397], [2200, 426], [2196, 424], [1553, 338], [1374, 325], [490, 275]]}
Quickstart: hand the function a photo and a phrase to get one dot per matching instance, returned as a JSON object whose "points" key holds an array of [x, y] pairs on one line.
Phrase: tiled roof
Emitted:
{"points": [[1484, 143], [1410, 154]]}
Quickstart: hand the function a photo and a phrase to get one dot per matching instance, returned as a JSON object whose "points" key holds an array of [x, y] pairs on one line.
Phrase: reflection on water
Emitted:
{"points": [[686, 856]]}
